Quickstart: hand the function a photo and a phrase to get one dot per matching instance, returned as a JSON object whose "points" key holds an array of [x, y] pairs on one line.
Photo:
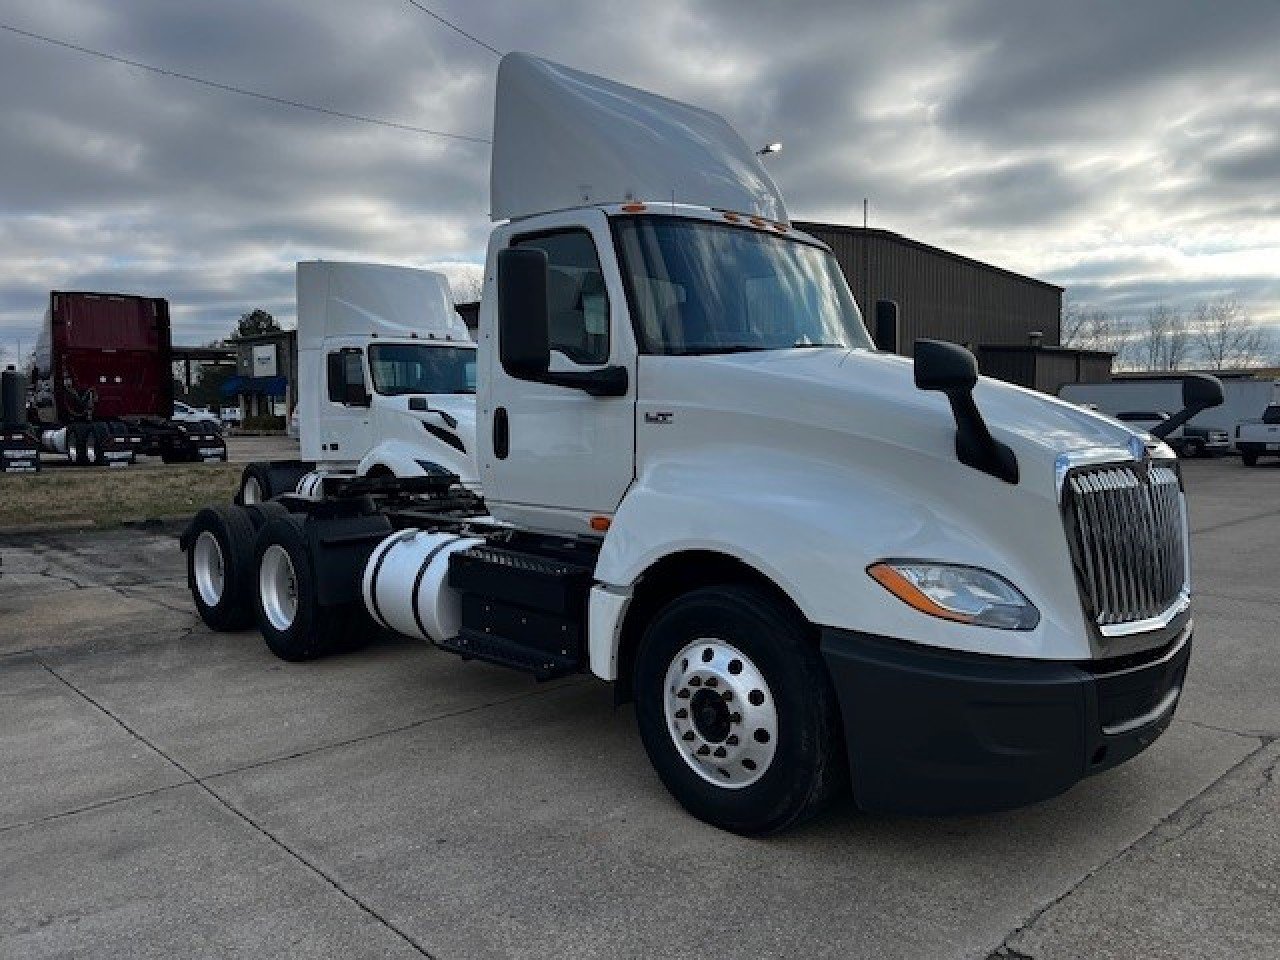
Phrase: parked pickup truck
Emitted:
{"points": [[812, 565], [1188, 440], [1259, 438]]}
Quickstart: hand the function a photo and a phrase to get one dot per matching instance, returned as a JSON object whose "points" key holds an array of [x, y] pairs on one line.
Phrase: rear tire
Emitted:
{"points": [[220, 567], [1250, 459], [737, 712], [255, 485], [288, 611], [81, 437]]}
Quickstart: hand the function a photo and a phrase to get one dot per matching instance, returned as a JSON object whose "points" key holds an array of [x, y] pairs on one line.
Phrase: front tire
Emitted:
{"points": [[1249, 459], [737, 712]]}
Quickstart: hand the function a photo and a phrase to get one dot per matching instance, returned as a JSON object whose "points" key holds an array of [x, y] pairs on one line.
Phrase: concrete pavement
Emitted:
{"points": [[171, 791]]}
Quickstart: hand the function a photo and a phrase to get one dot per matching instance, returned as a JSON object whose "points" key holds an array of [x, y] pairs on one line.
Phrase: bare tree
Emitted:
{"points": [[1162, 340], [1152, 338], [1096, 330], [466, 280], [1177, 347], [1227, 336]]}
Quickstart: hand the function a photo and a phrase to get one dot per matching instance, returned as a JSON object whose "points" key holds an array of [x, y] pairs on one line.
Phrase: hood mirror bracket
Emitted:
{"points": [[953, 370], [1199, 392]]}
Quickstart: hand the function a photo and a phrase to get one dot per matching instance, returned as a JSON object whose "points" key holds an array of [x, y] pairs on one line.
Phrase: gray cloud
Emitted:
{"points": [[1126, 150]]}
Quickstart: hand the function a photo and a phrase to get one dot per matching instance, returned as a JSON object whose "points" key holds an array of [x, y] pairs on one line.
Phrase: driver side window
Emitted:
{"points": [[577, 304]]}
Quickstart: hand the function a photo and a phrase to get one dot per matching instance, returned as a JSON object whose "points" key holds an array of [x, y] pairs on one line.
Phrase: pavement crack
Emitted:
{"points": [[96, 805], [1252, 734], [541, 690], [1005, 950], [242, 816], [1254, 518]]}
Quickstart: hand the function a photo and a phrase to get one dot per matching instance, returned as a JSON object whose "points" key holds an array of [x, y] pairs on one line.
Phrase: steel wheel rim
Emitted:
{"points": [[720, 713], [209, 568], [252, 492], [278, 587]]}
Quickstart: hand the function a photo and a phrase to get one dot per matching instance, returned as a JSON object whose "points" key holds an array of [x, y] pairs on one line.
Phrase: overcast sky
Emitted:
{"points": [[1129, 151]]}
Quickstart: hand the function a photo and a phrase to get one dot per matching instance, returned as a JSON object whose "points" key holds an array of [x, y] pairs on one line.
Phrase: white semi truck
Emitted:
{"points": [[386, 381], [811, 565]]}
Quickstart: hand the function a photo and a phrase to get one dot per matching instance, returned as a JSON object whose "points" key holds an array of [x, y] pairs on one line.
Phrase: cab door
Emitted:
{"points": [[555, 456]]}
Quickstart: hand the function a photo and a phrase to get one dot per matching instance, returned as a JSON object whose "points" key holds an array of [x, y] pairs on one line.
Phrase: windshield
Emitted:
{"points": [[418, 368], [702, 287]]}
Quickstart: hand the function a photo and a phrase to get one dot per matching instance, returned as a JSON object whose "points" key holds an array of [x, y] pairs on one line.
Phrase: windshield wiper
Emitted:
{"points": [[806, 344]]}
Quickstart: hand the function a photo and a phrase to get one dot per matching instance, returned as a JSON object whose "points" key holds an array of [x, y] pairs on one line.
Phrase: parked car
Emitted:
{"points": [[1259, 438], [185, 413], [1187, 441]]}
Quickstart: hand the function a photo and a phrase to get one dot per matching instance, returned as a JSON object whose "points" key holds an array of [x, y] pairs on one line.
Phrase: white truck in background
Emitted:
{"points": [[1259, 437], [386, 381], [811, 565]]}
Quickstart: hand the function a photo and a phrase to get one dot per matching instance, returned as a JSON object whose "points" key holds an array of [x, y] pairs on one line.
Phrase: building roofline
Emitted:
{"points": [[1042, 348], [804, 225]]}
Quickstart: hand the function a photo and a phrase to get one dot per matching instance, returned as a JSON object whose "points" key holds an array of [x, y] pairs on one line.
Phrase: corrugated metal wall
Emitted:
{"points": [[941, 295]]}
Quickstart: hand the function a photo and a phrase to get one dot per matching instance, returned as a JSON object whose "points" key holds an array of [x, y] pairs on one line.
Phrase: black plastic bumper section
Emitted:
{"points": [[937, 732]]}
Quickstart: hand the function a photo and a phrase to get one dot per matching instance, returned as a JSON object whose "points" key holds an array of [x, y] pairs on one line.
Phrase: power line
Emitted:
{"points": [[455, 28], [241, 91]]}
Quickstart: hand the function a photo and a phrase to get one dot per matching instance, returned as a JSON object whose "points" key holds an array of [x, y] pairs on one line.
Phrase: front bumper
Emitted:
{"points": [[932, 731]]}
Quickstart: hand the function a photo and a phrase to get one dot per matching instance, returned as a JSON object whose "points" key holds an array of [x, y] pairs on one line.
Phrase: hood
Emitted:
{"points": [[873, 397]]}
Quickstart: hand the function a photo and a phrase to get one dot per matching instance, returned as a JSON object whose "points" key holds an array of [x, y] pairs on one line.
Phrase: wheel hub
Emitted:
{"points": [[710, 716], [720, 713], [278, 587], [209, 568]]}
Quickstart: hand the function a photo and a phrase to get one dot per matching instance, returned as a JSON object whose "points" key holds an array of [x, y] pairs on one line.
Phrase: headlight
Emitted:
{"points": [[961, 594]]}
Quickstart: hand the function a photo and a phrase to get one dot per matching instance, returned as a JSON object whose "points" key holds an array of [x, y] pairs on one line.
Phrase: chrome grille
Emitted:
{"points": [[1124, 523]]}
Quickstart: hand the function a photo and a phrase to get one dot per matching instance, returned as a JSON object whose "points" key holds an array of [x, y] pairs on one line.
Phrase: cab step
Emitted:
{"points": [[544, 665]]}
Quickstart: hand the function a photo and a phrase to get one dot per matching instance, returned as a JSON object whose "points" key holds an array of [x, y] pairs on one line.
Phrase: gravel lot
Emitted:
{"points": [[172, 792]]}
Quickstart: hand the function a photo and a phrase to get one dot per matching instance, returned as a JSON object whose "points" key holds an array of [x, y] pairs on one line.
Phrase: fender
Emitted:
{"points": [[813, 527], [403, 460]]}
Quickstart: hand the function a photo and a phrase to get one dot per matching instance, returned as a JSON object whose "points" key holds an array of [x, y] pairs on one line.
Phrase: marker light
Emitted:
{"points": [[956, 593]]}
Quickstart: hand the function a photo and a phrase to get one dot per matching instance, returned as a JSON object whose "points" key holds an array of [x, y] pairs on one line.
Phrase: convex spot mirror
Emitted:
{"points": [[1201, 391], [947, 367]]}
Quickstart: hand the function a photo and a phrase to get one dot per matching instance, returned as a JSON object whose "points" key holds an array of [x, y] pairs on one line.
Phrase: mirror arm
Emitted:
{"points": [[1162, 430], [975, 446]]}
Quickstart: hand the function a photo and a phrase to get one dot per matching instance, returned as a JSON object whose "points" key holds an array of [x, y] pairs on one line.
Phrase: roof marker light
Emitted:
{"points": [[633, 208]]}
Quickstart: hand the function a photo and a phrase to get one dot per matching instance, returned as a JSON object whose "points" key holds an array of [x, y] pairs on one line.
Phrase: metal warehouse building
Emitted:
{"points": [[1012, 322]]}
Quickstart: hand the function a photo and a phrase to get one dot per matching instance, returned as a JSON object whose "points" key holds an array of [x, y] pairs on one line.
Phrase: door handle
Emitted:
{"points": [[501, 434]]}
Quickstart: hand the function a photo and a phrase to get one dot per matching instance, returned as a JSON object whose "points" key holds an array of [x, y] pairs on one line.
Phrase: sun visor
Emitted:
{"points": [[563, 138]]}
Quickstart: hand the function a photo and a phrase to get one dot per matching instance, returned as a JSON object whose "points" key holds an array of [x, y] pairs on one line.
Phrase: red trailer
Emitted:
{"points": [[102, 383]]}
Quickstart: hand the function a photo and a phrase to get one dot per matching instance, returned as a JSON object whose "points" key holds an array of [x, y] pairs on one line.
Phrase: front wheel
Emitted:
{"points": [[737, 712], [1250, 459]]}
